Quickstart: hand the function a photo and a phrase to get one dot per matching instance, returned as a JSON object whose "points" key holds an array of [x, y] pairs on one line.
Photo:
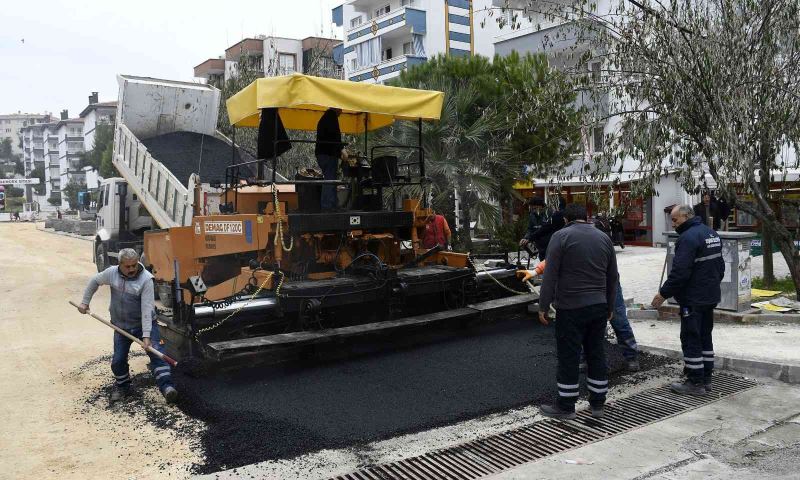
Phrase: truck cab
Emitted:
{"points": [[121, 222]]}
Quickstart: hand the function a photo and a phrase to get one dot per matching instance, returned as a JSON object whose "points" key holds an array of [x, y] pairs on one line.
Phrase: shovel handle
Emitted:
{"points": [[169, 360]]}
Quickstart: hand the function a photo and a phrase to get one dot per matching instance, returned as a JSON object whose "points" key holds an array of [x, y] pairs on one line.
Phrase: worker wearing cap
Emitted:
{"points": [[132, 309], [580, 281], [697, 270]]}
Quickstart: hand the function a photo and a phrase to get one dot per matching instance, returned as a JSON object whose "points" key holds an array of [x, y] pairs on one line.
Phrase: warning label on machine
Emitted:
{"points": [[223, 228]]}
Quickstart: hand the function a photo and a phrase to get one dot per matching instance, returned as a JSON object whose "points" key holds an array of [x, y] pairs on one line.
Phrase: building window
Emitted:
{"points": [[353, 64], [597, 139], [406, 3], [744, 219], [287, 63], [383, 10], [595, 70], [354, 22], [408, 48], [387, 54]]}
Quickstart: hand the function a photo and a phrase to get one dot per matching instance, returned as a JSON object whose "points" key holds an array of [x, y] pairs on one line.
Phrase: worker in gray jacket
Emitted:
{"points": [[580, 281], [132, 309]]}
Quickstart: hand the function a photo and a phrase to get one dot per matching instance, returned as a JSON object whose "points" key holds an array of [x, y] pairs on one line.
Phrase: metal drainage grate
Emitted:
{"points": [[502, 451]]}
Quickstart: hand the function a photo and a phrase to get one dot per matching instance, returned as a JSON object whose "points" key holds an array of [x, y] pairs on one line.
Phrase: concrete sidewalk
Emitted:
{"points": [[764, 349], [751, 435]]}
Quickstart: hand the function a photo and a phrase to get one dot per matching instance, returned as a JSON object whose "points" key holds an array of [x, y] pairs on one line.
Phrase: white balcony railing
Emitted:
{"points": [[384, 68], [393, 20]]}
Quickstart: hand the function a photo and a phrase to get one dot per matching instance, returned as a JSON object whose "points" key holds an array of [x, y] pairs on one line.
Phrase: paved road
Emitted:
{"points": [[281, 412]]}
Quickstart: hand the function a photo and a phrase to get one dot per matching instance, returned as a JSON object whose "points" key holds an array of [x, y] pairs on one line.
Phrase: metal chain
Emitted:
{"points": [[218, 324], [279, 228]]}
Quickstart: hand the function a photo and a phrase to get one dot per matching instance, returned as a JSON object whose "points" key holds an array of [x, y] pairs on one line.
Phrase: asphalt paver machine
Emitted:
{"points": [[271, 273]]}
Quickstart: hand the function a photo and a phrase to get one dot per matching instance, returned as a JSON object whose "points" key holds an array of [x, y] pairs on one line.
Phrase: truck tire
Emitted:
{"points": [[101, 257]]}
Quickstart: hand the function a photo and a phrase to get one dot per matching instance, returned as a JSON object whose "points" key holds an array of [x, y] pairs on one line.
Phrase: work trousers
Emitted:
{"points": [[578, 328], [696, 342], [622, 327], [119, 362], [328, 164]]}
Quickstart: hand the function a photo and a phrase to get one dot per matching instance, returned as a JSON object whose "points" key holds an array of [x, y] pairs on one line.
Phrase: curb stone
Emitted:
{"points": [[670, 312], [785, 373]]}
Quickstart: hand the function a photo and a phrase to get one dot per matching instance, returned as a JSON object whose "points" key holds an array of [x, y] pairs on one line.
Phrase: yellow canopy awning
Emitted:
{"points": [[302, 100]]}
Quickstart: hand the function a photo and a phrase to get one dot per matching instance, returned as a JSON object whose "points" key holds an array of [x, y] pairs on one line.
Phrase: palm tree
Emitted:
{"points": [[460, 153]]}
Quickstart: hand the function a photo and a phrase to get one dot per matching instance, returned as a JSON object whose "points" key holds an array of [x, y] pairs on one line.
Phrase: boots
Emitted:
{"points": [[688, 388], [555, 411], [707, 384], [119, 393], [170, 394]]}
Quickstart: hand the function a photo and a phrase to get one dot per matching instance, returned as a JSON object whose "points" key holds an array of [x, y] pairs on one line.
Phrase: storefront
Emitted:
{"points": [[642, 219]]}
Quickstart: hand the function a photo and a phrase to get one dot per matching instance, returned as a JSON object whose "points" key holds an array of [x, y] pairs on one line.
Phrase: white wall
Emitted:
{"points": [[670, 192], [276, 45], [484, 37]]}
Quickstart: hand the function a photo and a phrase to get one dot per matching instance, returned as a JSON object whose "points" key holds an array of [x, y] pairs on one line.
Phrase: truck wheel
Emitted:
{"points": [[100, 257]]}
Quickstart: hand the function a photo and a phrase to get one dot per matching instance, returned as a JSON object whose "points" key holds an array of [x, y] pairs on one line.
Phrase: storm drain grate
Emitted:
{"points": [[502, 451]]}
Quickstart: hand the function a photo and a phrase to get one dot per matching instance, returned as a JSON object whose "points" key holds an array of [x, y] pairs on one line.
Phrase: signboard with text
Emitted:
{"points": [[19, 181]]}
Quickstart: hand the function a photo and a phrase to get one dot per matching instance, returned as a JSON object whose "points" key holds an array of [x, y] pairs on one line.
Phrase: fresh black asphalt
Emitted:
{"points": [[265, 413]]}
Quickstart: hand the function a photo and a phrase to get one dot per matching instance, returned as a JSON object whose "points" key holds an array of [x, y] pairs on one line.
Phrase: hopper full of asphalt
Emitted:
{"points": [[265, 413], [184, 153]]}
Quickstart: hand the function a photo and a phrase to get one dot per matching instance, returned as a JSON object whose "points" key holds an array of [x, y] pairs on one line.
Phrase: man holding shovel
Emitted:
{"points": [[132, 309]]}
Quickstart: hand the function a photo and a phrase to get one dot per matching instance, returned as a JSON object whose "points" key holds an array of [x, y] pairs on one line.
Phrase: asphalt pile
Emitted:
{"points": [[184, 153]]}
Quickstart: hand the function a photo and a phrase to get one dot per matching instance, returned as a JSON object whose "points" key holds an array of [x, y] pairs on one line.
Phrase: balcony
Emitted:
{"points": [[385, 70], [248, 46], [403, 21], [38, 146], [569, 38], [211, 67]]}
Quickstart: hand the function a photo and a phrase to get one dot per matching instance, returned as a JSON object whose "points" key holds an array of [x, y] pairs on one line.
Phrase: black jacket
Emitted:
{"points": [[718, 209], [541, 237], [535, 222], [266, 135], [698, 266], [329, 135]]}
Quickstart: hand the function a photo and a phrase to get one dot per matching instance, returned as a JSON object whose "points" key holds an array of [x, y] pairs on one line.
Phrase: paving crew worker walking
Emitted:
{"points": [[580, 281], [697, 270], [132, 309]]}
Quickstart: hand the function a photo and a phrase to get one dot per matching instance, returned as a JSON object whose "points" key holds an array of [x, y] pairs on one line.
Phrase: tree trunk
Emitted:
{"points": [[766, 250], [766, 158], [793, 262]]}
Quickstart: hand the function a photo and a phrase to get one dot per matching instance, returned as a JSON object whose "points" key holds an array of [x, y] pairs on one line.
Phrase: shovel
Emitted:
{"points": [[171, 361]]}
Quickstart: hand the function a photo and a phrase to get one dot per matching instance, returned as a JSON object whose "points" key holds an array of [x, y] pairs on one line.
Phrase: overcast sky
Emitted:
{"points": [[71, 49]]}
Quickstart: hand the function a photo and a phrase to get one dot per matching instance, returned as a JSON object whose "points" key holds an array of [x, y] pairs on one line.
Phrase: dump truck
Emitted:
{"points": [[171, 159], [246, 266]]}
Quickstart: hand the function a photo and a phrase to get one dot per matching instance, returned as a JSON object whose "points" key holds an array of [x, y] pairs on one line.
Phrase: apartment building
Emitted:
{"points": [[96, 113], [273, 56], [11, 126], [384, 37], [70, 147], [40, 149]]}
